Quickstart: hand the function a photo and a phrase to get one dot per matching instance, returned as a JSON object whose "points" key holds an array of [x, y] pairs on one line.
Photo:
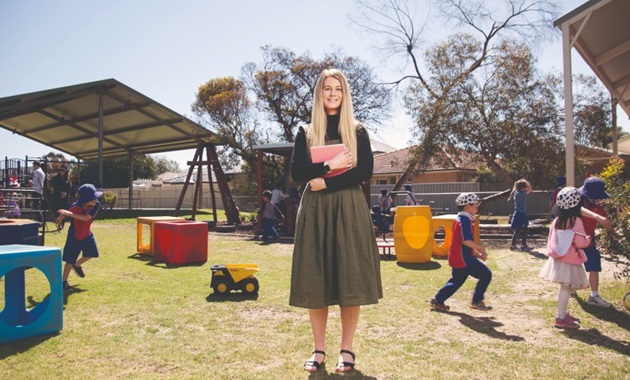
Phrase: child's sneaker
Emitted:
{"points": [[435, 305], [66, 286], [566, 323], [513, 248], [480, 306], [79, 271], [598, 301], [576, 319], [526, 248]]}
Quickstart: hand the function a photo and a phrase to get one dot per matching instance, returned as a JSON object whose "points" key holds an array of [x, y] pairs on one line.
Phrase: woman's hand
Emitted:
{"points": [[317, 184], [342, 160]]}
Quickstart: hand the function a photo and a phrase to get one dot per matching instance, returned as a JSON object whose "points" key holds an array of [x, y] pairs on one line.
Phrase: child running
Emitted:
{"points": [[564, 247], [80, 238], [463, 257]]}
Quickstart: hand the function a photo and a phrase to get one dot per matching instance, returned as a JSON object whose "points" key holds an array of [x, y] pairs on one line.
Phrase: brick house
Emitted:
{"points": [[450, 165]]}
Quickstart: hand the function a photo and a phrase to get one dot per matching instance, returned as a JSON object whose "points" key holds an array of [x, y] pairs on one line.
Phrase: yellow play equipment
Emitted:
{"points": [[228, 277], [413, 234], [446, 222]]}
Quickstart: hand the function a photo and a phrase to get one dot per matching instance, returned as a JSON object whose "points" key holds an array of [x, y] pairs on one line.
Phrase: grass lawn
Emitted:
{"points": [[131, 318]]}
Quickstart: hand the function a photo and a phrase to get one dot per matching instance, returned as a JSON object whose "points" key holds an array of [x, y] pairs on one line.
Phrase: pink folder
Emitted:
{"points": [[323, 153]]}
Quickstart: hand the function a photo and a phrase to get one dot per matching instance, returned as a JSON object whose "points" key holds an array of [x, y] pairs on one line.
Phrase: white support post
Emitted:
{"points": [[568, 105]]}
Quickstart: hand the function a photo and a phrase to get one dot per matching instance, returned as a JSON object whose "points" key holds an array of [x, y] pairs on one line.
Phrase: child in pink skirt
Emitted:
{"points": [[564, 247]]}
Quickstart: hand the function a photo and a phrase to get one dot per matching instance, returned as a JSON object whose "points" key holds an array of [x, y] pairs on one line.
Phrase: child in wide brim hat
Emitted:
{"points": [[80, 238], [594, 190], [87, 193]]}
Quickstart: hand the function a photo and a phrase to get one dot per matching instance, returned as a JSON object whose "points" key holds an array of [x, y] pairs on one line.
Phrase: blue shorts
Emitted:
{"points": [[73, 247], [519, 221], [593, 261]]}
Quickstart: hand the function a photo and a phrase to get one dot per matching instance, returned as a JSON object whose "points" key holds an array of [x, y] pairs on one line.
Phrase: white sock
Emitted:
{"points": [[564, 294], [594, 293]]}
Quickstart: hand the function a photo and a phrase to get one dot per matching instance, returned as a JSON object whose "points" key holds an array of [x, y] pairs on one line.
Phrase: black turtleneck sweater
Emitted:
{"points": [[303, 169]]}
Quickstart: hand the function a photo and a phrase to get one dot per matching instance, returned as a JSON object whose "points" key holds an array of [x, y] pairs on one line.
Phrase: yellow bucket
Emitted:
{"points": [[413, 234]]}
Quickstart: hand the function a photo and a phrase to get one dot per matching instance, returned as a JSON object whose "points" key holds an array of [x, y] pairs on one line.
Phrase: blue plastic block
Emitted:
{"points": [[16, 322]]}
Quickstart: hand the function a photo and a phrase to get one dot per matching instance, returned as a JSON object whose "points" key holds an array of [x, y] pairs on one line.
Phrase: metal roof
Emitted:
{"points": [[603, 40], [67, 119]]}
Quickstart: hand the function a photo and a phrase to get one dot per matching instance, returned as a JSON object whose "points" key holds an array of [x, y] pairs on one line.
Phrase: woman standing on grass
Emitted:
{"points": [[335, 257]]}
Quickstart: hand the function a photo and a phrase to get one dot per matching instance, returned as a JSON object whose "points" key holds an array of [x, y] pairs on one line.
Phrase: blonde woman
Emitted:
{"points": [[335, 257]]}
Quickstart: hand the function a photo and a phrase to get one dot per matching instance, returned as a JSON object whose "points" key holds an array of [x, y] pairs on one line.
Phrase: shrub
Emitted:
{"points": [[110, 198], [616, 242]]}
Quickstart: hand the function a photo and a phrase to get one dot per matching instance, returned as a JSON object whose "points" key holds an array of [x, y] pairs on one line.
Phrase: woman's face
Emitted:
{"points": [[332, 95]]}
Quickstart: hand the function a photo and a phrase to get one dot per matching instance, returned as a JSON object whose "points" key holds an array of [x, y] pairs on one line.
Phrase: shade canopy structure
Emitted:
{"points": [[102, 119], [599, 31], [67, 119]]}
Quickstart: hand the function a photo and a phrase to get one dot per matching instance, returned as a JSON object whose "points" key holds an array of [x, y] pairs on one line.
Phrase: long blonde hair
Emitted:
{"points": [[316, 132]]}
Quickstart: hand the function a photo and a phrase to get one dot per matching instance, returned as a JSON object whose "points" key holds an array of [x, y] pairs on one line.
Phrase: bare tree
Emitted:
{"points": [[484, 24], [395, 22]]}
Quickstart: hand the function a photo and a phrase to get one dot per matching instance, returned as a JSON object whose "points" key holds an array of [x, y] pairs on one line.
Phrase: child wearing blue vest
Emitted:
{"points": [[519, 220], [268, 215], [464, 257], [80, 238]]}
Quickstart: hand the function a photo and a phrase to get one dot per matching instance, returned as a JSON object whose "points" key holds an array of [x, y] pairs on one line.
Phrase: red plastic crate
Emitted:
{"points": [[181, 243]]}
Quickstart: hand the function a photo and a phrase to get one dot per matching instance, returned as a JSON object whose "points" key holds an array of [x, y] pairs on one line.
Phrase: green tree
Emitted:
{"points": [[164, 165], [116, 170], [395, 23], [591, 112], [282, 86], [224, 106], [506, 114], [479, 89]]}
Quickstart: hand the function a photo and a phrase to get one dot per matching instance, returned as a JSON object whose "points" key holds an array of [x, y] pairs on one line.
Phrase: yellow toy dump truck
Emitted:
{"points": [[228, 277]]}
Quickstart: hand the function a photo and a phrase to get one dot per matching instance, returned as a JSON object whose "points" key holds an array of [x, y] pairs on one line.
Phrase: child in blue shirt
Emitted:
{"points": [[268, 214], [411, 200], [519, 220], [464, 257]]}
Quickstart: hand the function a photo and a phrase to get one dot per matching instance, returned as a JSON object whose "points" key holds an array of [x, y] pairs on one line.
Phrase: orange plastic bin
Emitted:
{"points": [[143, 221], [180, 243]]}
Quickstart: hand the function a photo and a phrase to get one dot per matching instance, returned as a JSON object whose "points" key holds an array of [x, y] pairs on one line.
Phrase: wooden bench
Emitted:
{"points": [[386, 246]]}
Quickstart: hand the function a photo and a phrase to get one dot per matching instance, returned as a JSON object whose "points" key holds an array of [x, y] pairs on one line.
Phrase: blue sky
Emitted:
{"points": [[166, 49]]}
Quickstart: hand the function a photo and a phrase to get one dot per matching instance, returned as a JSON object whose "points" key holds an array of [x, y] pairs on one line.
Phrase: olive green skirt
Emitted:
{"points": [[335, 257]]}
